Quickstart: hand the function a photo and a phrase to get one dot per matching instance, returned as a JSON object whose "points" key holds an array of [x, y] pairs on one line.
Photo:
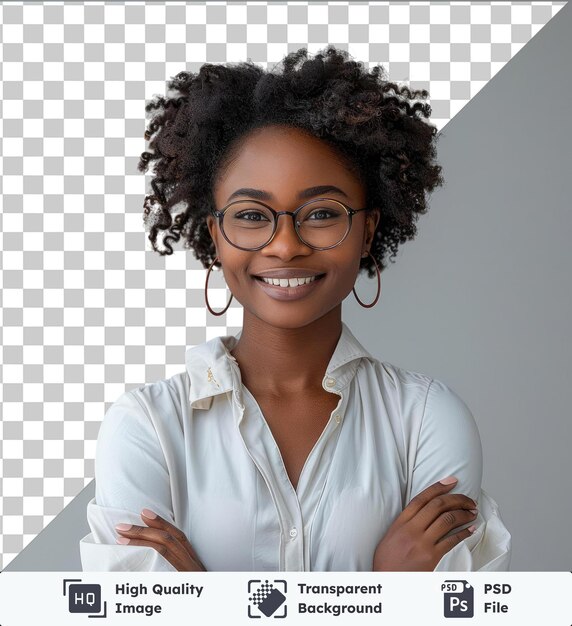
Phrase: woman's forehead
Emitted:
{"points": [[276, 157]]}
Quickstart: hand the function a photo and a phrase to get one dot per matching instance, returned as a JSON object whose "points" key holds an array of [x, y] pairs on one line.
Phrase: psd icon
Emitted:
{"points": [[267, 598], [458, 598]]}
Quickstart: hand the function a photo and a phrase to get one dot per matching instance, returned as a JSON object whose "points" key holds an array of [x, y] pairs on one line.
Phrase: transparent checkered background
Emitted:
{"points": [[88, 310]]}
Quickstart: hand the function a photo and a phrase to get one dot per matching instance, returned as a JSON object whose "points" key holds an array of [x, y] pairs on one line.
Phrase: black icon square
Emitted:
{"points": [[84, 598], [266, 598], [458, 599]]}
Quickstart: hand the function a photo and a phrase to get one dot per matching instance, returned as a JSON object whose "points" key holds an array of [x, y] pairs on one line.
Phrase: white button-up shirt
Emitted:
{"points": [[196, 449]]}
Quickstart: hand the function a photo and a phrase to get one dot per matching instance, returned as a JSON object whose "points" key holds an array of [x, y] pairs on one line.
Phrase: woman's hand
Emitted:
{"points": [[167, 539], [415, 541]]}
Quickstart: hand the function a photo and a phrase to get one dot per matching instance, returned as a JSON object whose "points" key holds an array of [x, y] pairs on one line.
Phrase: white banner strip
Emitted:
{"points": [[315, 598]]}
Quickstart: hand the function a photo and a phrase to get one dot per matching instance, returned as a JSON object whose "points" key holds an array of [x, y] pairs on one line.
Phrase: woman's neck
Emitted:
{"points": [[281, 361]]}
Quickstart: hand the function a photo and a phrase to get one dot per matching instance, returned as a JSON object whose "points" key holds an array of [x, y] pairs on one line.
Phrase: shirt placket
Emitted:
{"points": [[318, 465], [263, 450], [295, 510]]}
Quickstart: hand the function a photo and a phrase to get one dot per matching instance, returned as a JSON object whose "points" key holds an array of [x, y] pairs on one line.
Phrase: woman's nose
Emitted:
{"points": [[286, 240]]}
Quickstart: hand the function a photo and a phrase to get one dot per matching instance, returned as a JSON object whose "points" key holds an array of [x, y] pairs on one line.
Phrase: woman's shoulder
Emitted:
{"points": [[419, 398], [412, 382], [397, 376], [159, 403], [164, 392], [395, 381], [447, 413]]}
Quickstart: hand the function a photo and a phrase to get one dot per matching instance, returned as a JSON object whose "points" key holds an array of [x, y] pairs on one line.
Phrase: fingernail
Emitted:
{"points": [[472, 529], [448, 481], [148, 513], [122, 540], [473, 511], [123, 526]]}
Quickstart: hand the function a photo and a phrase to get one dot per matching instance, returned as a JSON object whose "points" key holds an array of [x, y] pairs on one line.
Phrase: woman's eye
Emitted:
{"points": [[253, 216], [320, 212]]}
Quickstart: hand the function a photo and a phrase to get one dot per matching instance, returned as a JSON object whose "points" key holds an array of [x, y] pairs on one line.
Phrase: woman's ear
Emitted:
{"points": [[211, 225], [213, 231], [372, 220]]}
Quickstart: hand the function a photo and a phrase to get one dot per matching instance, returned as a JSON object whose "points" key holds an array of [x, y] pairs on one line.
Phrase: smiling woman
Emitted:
{"points": [[289, 446]]}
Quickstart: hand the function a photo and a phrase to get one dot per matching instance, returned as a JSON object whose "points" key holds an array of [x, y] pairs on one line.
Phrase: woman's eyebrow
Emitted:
{"points": [[260, 194]]}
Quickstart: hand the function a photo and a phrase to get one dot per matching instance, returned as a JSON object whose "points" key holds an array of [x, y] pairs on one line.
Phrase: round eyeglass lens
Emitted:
{"points": [[321, 223]]}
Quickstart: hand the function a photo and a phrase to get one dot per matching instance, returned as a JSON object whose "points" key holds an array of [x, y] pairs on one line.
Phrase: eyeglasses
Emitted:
{"points": [[321, 223]]}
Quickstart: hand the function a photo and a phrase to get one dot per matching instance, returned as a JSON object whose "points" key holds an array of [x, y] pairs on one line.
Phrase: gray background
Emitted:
{"points": [[480, 300]]}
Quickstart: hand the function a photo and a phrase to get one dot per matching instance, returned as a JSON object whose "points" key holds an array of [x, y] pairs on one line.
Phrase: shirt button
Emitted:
{"points": [[330, 382], [293, 532], [337, 418]]}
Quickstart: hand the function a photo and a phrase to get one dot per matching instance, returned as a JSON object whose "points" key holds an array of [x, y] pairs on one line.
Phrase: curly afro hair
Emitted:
{"points": [[376, 126]]}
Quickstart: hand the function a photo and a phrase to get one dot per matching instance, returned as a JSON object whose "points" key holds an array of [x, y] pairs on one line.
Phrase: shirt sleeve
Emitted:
{"points": [[449, 445], [130, 474]]}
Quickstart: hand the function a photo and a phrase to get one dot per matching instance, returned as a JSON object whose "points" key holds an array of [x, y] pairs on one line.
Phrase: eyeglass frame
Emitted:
{"points": [[219, 213]]}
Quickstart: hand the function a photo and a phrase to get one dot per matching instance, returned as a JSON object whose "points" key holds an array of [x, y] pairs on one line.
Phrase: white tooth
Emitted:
{"points": [[289, 282]]}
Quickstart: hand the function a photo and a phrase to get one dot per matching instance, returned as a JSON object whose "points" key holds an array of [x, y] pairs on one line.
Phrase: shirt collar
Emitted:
{"points": [[210, 366]]}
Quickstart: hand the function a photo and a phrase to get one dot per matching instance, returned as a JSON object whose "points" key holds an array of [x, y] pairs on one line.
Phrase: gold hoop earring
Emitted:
{"points": [[367, 306], [206, 293]]}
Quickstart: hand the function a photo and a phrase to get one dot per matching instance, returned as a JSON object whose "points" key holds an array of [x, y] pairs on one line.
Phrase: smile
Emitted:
{"points": [[289, 282], [288, 288]]}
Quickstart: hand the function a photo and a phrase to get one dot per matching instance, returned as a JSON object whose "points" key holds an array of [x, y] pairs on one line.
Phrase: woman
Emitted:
{"points": [[289, 446]]}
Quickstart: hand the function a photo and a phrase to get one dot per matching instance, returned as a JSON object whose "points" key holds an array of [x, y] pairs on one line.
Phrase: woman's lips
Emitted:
{"points": [[288, 293]]}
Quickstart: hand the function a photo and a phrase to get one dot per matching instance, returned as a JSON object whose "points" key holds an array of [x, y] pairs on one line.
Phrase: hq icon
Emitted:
{"points": [[458, 598], [84, 598]]}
